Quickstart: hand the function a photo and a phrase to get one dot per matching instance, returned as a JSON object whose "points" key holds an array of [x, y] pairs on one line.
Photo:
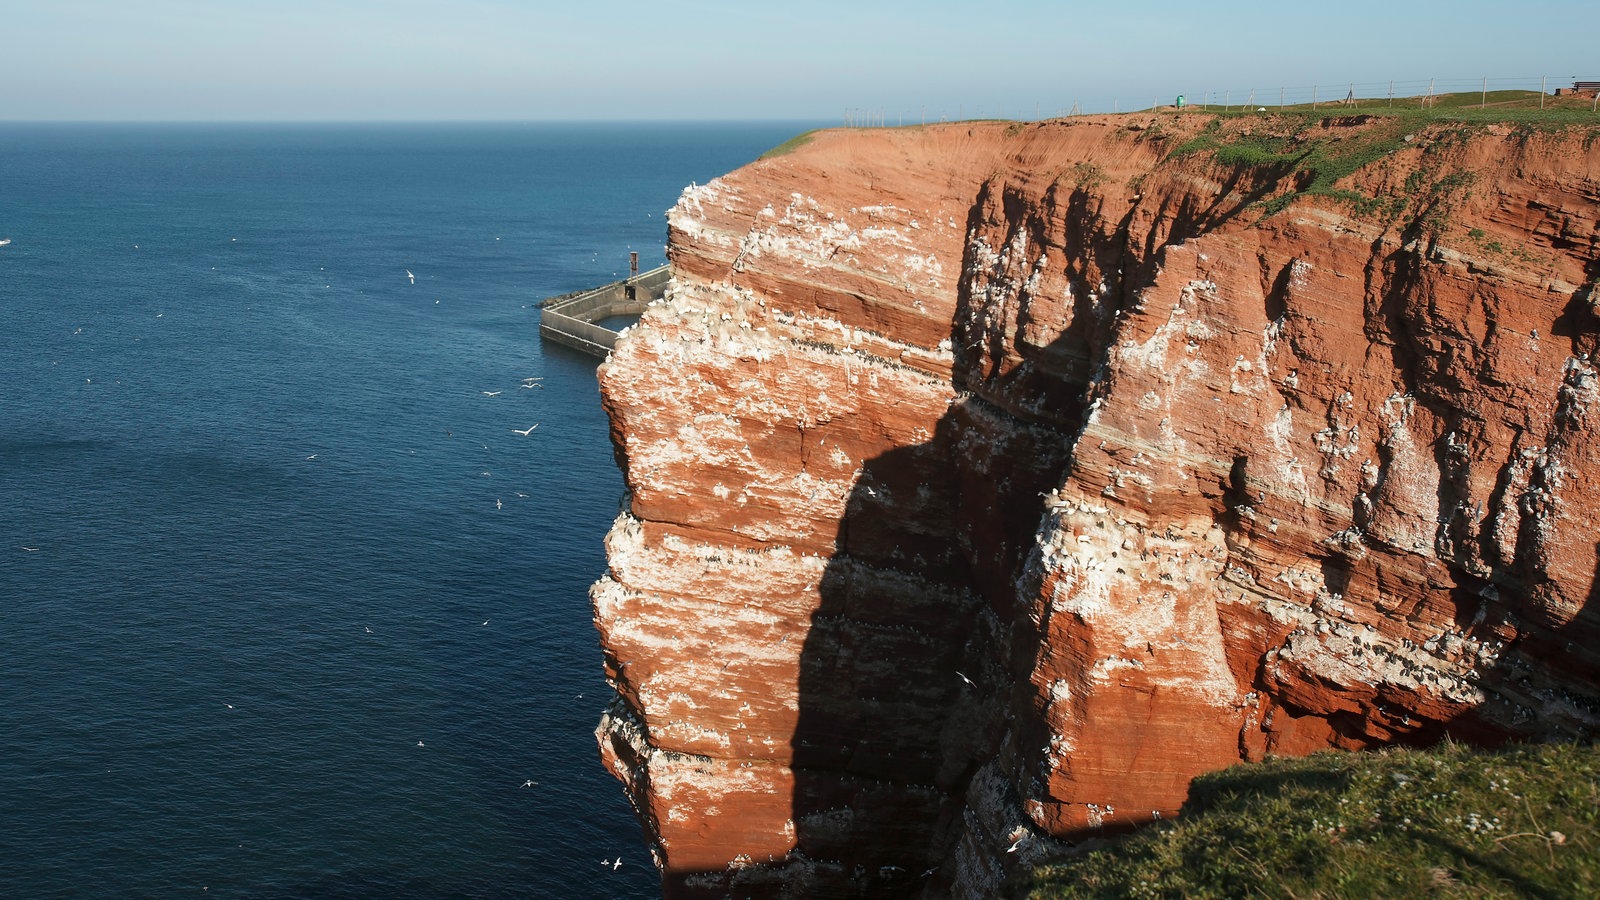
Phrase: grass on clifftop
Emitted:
{"points": [[1298, 146], [1496, 106], [1295, 148], [789, 146], [1446, 822]]}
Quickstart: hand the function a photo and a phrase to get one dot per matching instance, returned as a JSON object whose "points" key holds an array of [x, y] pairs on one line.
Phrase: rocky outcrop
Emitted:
{"points": [[988, 482]]}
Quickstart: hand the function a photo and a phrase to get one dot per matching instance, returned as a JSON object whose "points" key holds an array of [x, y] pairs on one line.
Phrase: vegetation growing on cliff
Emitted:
{"points": [[1451, 821], [791, 145], [1298, 147], [1294, 147]]}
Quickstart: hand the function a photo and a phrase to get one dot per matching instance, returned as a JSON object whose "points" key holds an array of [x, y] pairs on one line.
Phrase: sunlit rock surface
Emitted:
{"points": [[988, 482]]}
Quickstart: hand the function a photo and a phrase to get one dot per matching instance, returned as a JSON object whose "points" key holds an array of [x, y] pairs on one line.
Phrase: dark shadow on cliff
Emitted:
{"points": [[1579, 321], [899, 672], [905, 675], [876, 685]]}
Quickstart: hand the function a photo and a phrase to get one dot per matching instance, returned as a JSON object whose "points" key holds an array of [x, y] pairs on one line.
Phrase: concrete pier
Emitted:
{"points": [[570, 319]]}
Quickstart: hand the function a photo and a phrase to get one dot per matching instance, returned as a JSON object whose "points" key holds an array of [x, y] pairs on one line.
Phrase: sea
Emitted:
{"points": [[288, 607]]}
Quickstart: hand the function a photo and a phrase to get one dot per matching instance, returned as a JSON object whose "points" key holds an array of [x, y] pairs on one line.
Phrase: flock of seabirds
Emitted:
{"points": [[530, 383]]}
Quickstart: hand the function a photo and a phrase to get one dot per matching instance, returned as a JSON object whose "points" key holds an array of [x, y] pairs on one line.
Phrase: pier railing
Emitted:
{"points": [[571, 319]]}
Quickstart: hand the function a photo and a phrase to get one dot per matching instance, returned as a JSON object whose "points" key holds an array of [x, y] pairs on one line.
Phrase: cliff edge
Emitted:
{"points": [[988, 482]]}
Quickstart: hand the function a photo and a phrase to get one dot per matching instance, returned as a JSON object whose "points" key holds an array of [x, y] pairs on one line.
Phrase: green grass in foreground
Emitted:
{"points": [[1446, 822]]}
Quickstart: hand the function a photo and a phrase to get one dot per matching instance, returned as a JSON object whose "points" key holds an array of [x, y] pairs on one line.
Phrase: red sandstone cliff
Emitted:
{"points": [[988, 482]]}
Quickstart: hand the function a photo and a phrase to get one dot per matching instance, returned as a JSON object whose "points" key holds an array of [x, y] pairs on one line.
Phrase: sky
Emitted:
{"points": [[892, 61]]}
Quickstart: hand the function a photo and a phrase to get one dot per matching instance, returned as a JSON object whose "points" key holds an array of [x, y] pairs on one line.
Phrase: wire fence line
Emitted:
{"points": [[1410, 93], [1414, 92]]}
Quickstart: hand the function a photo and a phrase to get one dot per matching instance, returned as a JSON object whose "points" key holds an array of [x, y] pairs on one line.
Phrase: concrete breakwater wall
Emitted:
{"points": [[571, 319]]}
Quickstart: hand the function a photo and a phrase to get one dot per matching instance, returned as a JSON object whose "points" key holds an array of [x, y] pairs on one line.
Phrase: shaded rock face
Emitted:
{"points": [[988, 483]]}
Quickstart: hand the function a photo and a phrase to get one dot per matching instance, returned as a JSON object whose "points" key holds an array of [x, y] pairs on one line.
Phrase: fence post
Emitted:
{"points": [[1280, 99], [1391, 92], [1541, 90], [1313, 96], [1483, 98]]}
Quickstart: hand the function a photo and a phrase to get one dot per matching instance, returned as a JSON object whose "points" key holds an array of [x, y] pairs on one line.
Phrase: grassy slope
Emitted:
{"points": [[1307, 159], [1447, 822], [789, 146]]}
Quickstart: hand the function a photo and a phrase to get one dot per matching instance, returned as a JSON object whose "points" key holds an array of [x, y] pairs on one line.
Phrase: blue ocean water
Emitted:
{"points": [[286, 607]]}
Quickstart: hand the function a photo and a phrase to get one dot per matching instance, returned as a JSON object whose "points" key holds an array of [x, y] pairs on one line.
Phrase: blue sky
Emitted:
{"points": [[388, 60]]}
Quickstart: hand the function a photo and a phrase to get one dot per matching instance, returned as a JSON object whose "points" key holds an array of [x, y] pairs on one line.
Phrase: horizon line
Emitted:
{"points": [[621, 120]]}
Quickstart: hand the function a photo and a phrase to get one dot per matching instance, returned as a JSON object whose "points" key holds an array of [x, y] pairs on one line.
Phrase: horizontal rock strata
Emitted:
{"points": [[988, 482]]}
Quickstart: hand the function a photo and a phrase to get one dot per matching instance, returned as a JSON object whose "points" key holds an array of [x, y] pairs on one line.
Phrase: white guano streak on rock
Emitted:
{"points": [[1129, 615], [1346, 652]]}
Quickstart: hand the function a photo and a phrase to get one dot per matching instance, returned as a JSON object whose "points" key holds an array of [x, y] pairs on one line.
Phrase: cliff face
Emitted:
{"points": [[989, 482]]}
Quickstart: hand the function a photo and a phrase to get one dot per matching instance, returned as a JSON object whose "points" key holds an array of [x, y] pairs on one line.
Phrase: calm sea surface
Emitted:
{"points": [[286, 608]]}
